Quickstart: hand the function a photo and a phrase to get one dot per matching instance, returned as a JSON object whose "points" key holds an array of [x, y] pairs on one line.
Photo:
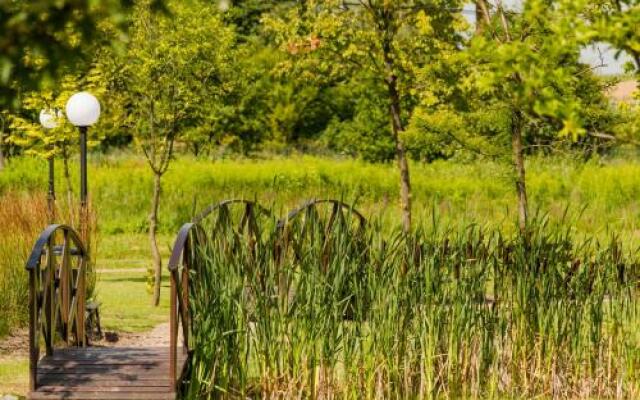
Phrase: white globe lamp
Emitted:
{"points": [[49, 118], [83, 109]]}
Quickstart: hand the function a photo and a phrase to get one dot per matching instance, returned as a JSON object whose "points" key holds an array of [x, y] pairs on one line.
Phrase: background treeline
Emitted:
{"points": [[279, 81]]}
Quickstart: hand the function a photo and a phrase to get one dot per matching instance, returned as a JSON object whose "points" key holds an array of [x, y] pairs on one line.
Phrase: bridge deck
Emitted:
{"points": [[95, 373]]}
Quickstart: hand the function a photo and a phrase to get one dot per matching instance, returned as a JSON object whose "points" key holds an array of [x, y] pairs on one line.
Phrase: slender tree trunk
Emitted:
{"points": [[397, 129], [518, 162], [479, 17], [1, 150], [403, 163], [153, 229], [1, 143]]}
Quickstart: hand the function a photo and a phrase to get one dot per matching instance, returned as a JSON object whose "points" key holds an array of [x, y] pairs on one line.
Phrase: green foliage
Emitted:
{"points": [[41, 38], [172, 74], [29, 135]]}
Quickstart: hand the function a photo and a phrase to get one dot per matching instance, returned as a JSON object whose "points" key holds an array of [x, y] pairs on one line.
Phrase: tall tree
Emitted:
{"points": [[523, 72], [176, 66], [387, 39]]}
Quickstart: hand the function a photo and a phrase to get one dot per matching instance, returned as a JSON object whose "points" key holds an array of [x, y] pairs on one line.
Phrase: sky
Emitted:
{"points": [[594, 55]]}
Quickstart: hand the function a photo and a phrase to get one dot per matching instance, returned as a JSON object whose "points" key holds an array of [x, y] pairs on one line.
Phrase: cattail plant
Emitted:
{"points": [[445, 312]]}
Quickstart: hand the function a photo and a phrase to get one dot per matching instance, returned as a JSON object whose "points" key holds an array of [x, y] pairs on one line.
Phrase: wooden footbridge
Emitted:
{"points": [[64, 365]]}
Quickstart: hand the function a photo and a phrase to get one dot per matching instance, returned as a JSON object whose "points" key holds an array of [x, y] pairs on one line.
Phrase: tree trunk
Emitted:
{"points": [[397, 129], [1, 150], [153, 228], [479, 17], [518, 162], [401, 154]]}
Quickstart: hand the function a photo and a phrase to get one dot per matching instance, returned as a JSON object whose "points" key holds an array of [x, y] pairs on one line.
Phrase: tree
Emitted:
{"points": [[520, 74], [389, 40], [175, 67], [41, 38]]}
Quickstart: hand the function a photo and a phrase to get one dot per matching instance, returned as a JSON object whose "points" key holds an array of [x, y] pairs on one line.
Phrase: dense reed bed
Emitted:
{"points": [[319, 311], [21, 220]]}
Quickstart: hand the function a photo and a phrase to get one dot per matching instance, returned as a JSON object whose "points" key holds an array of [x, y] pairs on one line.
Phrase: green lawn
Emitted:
{"points": [[14, 375], [126, 304]]}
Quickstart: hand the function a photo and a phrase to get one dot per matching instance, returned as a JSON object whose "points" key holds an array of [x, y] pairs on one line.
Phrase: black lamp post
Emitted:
{"points": [[83, 110], [49, 120]]}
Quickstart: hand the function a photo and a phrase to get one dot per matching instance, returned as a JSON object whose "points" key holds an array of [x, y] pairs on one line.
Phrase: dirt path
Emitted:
{"points": [[16, 345], [157, 337]]}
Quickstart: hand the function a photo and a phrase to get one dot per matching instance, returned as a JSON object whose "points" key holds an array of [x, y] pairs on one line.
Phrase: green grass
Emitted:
{"points": [[126, 305], [14, 375], [129, 250], [604, 192]]}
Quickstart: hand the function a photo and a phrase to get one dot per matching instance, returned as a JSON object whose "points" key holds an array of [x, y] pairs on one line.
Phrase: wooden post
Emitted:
{"points": [[65, 290], [50, 303], [173, 328], [81, 295], [34, 343]]}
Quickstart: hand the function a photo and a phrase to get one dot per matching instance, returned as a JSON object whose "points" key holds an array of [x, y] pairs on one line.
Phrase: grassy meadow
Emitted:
{"points": [[601, 196]]}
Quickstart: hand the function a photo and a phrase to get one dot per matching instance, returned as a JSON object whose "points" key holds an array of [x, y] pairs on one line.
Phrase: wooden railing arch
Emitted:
{"points": [[288, 238], [57, 268], [184, 260], [189, 251]]}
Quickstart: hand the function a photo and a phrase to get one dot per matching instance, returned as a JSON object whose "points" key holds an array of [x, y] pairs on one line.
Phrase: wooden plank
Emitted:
{"points": [[100, 396], [107, 381], [71, 376], [106, 389], [106, 374]]}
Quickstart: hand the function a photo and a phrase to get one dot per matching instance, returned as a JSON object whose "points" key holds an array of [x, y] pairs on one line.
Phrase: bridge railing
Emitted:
{"points": [[57, 270], [185, 261], [182, 260], [242, 217]]}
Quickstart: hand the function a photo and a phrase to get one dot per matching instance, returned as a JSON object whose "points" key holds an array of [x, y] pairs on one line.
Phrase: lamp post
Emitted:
{"points": [[49, 120], [83, 110]]}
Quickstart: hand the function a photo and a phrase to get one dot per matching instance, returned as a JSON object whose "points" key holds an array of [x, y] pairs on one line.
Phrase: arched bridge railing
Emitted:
{"points": [[57, 270], [182, 262], [188, 254], [315, 221], [311, 207], [186, 261]]}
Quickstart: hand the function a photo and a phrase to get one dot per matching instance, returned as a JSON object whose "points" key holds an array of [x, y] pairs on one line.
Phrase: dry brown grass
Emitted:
{"points": [[22, 218]]}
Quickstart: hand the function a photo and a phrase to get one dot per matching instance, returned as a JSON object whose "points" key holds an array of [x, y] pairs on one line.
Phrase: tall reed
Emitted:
{"points": [[21, 220], [461, 312]]}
